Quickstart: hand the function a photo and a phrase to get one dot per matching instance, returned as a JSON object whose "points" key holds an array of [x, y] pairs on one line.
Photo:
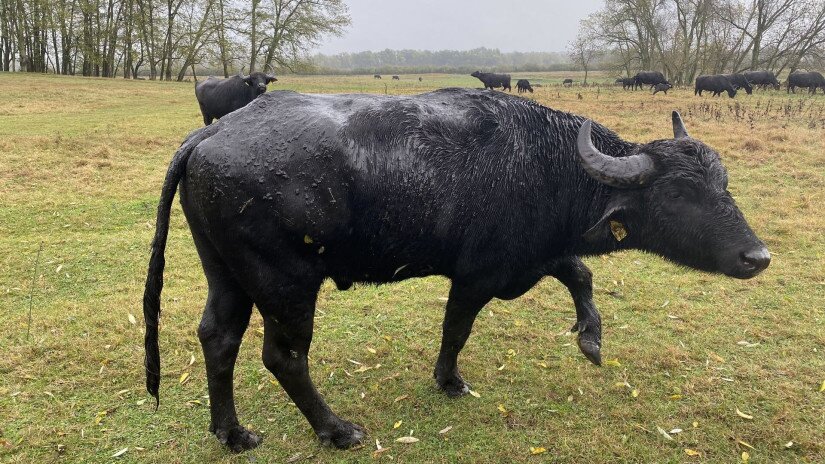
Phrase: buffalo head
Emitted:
{"points": [[258, 81], [671, 198]]}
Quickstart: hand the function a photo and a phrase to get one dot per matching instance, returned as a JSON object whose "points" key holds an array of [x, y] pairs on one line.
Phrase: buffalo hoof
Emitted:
{"points": [[237, 438], [343, 435], [453, 386], [590, 341]]}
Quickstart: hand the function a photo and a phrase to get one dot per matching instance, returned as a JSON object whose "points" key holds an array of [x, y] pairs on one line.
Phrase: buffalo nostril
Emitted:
{"points": [[759, 258]]}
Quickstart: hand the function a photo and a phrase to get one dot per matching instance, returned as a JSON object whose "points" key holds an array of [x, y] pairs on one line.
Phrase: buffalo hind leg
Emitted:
{"points": [[288, 321], [462, 308], [221, 328], [578, 279]]}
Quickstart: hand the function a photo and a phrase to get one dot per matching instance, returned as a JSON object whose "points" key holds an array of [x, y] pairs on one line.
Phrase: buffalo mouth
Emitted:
{"points": [[750, 263]]}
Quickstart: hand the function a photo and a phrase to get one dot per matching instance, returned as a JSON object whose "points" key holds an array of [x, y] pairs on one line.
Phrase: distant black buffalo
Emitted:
{"points": [[626, 82], [492, 81], [762, 79], [810, 80], [376, 76], [661, 88], [650, 78], [740, 81], [488, 190], [523, 85], [567, 82], [396, 78], [420, 79], [219, 97], [715, 83]]}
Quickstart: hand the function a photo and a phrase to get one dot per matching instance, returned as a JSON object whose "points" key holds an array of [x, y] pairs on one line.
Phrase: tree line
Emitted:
{"points": [[687, 38], [162, 39], [444, 61]]}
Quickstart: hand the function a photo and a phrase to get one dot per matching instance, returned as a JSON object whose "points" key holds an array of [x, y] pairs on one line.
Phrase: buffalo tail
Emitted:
{"points": [[154, 278]]}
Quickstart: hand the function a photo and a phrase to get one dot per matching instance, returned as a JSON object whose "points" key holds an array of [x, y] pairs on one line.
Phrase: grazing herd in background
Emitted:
{"points": [[219, 97]]}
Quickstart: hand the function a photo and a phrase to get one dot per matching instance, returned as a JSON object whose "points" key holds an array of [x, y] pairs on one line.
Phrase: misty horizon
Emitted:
{"points": [[460, 25]]}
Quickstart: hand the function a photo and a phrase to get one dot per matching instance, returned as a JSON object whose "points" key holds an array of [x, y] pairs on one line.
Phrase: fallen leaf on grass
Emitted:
{"points": [[789, 444], [613, 363], [716, 357], [475, 393], [120, 453], [400, 398], [664, 433], [379, 452], [675, 431], [406, 440], [537, 450], [634, 393], [132, 319], [445, 430], [397, 424], [743, 415], [745, 456], [183, 378], [371, 350], [502, 409], [691, 452], [745, 444], [822, 387]]}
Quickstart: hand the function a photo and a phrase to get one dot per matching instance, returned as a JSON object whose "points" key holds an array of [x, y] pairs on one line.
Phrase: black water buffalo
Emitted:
{"points": [[492, 81], [661, 88], [627, 82], [650, 78], [762, 79], [420, 79], [376, 76], [523, 85], [219, 97], [716, 83], [810, 80], [396, 78], [567, 82], [491, 191], [740, 81]]}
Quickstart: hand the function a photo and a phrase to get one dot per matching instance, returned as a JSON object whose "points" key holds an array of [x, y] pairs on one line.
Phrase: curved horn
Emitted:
{"points": [[679, 131], [626, 172]]}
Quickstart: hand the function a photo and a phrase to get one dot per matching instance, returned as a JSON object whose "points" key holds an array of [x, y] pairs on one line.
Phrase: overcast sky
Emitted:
{"points": [[509, 25]]}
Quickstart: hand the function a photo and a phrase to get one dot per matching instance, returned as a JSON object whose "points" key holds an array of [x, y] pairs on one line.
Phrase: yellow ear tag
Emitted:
{"points": [[618, 230]]}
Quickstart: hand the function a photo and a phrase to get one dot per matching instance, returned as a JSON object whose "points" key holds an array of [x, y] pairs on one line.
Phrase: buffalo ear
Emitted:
{"points": [[601, 231], [613, 225]]}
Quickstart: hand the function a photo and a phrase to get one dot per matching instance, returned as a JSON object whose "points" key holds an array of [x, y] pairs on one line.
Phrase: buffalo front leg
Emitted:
{"points": [[462, 309], [287, 337], [220, 331], [578, 279]]}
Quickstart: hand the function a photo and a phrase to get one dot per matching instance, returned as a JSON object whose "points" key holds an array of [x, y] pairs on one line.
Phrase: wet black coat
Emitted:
{"points": [[717, 84], [487, 189], [650, 78], [762, 78], [740, 81], [810, 80], [492, 81], [523, 85]]}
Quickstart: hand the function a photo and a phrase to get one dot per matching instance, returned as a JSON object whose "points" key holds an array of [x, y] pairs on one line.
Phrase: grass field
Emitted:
{"points": [[81, 164]]}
